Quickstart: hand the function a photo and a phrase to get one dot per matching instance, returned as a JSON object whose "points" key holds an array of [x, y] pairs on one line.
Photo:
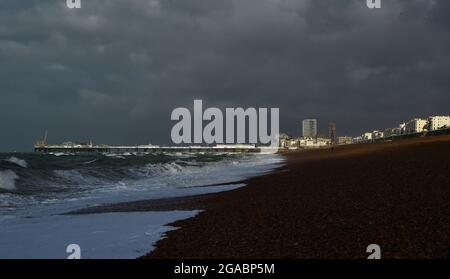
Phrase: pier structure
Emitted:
{"points": [[139, 149]]}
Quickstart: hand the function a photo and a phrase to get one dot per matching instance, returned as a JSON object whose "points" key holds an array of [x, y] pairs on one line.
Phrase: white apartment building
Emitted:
{"points": [[367, 136], [438, 122], [377, 134], [402, 127], [416, 125]]}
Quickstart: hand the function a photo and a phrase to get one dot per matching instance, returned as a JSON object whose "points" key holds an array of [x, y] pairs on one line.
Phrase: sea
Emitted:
{"points": [[36, 190]]}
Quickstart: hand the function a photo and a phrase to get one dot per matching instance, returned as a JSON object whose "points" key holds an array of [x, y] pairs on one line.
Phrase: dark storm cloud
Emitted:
{"points": [[114, 70]]}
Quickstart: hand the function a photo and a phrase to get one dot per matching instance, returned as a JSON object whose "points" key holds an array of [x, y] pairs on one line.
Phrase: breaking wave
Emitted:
{"points": [[37, 188], [38, 179], [8, 180], [17, 161]]}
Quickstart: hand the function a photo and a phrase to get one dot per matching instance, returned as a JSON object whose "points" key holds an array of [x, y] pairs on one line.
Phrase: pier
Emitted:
{"points": [[140, 149]]}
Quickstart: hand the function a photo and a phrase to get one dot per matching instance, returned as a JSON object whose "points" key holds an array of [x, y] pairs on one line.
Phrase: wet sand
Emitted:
{"points": [[327, 204]]}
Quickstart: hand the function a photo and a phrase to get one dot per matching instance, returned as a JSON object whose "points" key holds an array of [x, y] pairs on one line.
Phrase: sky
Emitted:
{"points": [[113, 71]]}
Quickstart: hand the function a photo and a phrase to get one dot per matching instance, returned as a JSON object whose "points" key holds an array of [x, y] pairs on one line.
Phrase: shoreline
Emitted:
{"points": [[326, 203]]}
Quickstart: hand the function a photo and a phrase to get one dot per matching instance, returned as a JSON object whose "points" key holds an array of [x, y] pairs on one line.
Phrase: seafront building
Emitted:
{"points": [[390, 132], [304, 143], [310, 137], [367, 136], [438, 122], [344, 140], [377, 134], [413, 126], [309, 128], [332, 132], [416, 125]]}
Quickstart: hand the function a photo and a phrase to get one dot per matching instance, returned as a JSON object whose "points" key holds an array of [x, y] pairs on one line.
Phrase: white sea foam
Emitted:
{"points": [[77, 177], [123, 235], [11, 200], [100, 236], [166, 169], [90, 162], [113, 155], [17, 161], [58, 154], [174, 175], [8, 180]]}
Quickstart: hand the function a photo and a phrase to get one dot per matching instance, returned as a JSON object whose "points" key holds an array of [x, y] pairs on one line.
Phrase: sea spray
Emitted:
{"points": [[8, 180], [17, 161]]}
